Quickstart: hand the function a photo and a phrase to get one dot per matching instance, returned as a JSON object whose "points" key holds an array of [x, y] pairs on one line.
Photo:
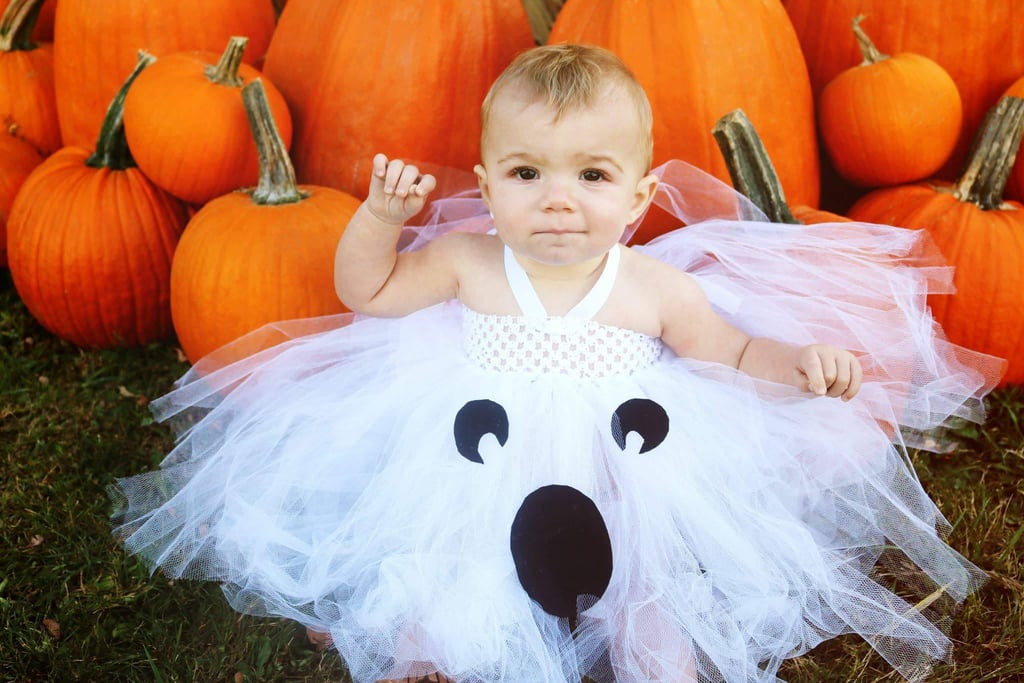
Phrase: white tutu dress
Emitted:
{"points": [[533, 499]]}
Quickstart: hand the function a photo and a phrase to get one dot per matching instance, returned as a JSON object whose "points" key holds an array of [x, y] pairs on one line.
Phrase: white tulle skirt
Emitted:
{"points": [[320, 480]]}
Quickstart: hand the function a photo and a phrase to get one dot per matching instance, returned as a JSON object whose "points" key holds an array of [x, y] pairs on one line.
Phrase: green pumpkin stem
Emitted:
{"points": [[749, 166], [277, 175], [542, 14], [111, 146], [17, 24], [225, 72], [867, 48], [992, 155]]}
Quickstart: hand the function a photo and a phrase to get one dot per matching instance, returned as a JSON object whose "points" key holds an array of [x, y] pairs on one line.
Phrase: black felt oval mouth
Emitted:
{"points": [[561, 549]]}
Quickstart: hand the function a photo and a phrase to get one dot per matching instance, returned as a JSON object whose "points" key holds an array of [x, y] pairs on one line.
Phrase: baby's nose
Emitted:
{"points": [[557, 196]]}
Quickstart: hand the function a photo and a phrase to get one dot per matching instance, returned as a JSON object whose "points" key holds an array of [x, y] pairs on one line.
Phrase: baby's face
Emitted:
{"points": [[562, 191]]}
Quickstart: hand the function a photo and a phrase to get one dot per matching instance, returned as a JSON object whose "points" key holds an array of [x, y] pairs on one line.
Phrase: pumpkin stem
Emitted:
{"points": [[541, 14], [992, 155], [111, 146], [750, 167], [17, 24], [277, 175], [867, 48], [226, 70]]}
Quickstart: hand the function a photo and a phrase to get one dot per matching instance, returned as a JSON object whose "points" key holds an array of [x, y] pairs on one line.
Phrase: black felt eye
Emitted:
{"points": [[643, 416], [475, 419]]}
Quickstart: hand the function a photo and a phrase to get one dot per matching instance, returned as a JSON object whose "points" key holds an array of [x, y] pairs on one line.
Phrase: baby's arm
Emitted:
{"points": [[691, 328], [370, 276]]}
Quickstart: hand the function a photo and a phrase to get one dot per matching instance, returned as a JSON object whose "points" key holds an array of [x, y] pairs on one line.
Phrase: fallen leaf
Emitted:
{"points": [[52, 628], [239, 678], [123, 390], [34, 542], [44, 380]]}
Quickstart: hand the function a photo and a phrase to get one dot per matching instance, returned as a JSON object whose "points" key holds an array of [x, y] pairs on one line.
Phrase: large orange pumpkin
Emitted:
{"points": [[96, 44], [90, 240], [17, 159], [27, 106], [257, 257], [699, 60], [405, 79], [889, 119], [186, 125], [981, 235], [979, 43]]}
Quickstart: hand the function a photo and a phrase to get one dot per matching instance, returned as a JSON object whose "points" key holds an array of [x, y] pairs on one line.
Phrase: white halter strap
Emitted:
{"points": [[586, 308]]}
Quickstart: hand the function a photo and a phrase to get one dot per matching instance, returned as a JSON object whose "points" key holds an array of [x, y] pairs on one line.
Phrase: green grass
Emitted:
{"points": [[71, 420]]}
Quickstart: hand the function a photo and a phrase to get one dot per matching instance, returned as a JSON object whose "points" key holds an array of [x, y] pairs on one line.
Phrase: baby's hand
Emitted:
{"points": [[830, 371], [397, 190]]}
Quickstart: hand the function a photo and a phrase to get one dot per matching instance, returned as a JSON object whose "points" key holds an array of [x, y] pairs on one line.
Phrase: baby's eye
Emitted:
{"points": [[525, 173], [592, 175]]}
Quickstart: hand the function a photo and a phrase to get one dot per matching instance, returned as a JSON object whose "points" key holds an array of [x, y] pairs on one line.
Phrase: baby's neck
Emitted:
{"points": [[567, 273]]}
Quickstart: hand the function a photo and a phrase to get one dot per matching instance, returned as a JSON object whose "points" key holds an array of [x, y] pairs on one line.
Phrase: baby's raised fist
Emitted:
{"points": [[397, 190]]}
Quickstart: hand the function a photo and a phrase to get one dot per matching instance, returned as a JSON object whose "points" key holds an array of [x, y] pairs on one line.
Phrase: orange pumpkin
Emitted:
{"points": [[17, 159], [889, 120], [90, 240], [981, 235], [27, 106], [257, 257], [186, 125], [685, 54], [980, 44], [95, 46], [423, 67]]}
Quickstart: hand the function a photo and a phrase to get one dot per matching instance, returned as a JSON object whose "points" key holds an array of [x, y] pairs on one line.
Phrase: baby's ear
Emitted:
{"points": [[645, 190], [481, 179]]}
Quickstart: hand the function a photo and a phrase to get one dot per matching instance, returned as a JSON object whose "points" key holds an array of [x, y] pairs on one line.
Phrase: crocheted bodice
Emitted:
{"points": [[573, 344]]}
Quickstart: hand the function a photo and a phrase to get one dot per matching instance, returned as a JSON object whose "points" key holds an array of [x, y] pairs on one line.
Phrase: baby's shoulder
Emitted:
{"points": [[650, 272]]}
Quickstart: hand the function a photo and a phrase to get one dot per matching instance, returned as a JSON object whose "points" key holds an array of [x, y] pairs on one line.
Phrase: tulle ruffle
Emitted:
{"points": [[320, 479]]}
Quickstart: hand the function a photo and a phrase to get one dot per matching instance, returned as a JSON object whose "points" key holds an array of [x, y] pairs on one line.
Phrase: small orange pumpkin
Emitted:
{"points": [[889, 120], [186, 125], [17, 159], [980, 45], [981, 235], [95, 46], [28, 108], [90, 240], [261, 256]]}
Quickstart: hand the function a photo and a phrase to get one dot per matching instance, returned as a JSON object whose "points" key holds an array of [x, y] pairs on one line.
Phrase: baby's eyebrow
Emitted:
{"points": [[517, 156], [600, 158]]}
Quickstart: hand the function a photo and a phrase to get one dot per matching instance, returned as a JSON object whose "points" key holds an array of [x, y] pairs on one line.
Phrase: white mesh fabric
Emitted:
{"points": [[564, 346]]}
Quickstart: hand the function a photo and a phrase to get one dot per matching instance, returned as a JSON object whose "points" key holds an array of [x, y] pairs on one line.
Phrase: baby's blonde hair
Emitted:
{"points": [[572, 77]]}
